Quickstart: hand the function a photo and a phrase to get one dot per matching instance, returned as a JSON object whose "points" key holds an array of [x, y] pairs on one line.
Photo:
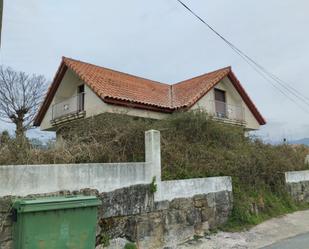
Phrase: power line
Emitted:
{"points": [[269, 77]]}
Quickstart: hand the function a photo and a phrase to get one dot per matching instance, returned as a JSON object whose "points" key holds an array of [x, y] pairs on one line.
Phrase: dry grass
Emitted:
{"points": [[192, 146]]}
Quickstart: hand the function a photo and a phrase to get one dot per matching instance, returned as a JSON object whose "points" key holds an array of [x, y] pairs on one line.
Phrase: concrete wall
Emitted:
{"points": [[177, 211], [297, 176], [22, 180], [170, 190], [297, 184]]}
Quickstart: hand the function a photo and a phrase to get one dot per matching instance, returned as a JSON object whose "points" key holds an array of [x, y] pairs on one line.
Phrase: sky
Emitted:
{"points": [[160, 40]]}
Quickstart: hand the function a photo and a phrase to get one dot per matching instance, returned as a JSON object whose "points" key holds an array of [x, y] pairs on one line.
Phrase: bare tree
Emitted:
{"points": [[20, 98]]}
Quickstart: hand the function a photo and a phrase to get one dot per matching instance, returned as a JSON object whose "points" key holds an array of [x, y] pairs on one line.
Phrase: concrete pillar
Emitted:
{"points": [[307, 159], [153, 154]]}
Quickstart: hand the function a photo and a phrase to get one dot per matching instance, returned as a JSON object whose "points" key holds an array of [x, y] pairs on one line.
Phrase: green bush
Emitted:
{"points": [[193, 145], [130, 246]]}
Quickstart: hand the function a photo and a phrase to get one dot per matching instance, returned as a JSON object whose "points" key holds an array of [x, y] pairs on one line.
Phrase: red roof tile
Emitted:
{"points": [[112, 84], [124, 89], [187, 92]]}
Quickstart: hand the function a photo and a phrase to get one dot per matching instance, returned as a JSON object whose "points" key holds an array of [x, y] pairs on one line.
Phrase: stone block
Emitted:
{"points": [[161, 205], [211, 200], [5, 204], [132, 200], [207, 213], [181, 203], [201, 228], [118, 243], [200, 201], [6, 234], [193, 216], [6, 244], [176, 217]]}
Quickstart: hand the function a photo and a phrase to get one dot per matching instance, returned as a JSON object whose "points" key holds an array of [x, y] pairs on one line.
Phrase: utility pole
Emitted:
{"points": [[1, 14]]}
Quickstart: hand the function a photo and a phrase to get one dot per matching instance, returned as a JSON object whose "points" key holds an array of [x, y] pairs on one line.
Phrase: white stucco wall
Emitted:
{"points": [[232, 98], [23, 180], [94, 104], [67, 89], [169, 190], [297, 176]]}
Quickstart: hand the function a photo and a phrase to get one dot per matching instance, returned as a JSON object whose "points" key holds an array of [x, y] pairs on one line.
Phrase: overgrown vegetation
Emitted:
{"points": [[153, 185], [193, 146], [130, 245]]}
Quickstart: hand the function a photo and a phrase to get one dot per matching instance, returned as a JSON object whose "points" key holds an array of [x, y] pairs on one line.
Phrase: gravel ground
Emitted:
{"points": [[265, 234]]}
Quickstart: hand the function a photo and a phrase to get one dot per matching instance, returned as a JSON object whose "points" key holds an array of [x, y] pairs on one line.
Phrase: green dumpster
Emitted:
{"points": [[55, 222]]}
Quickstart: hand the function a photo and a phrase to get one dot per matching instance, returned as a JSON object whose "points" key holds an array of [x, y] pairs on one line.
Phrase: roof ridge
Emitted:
{"points": [[115, 71], [202, 75]]}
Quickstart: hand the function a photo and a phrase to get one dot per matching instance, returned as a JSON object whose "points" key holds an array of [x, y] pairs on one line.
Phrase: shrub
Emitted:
{"points": [[130, 246], [193, 145]]}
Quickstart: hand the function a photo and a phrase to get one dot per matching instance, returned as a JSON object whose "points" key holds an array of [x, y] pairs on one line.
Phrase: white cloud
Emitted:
{"points": [[160, 40]]}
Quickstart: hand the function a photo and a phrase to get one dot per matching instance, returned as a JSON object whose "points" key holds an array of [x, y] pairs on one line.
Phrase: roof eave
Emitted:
{"points": [[232, 77], [133, 104], [50, 94]]}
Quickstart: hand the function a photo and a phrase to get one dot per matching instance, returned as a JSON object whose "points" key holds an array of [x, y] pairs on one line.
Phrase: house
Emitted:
{"points": [[81, 90]]}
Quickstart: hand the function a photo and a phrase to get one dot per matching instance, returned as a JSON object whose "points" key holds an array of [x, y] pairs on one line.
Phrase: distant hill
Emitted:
{"points": [[304, 141]]}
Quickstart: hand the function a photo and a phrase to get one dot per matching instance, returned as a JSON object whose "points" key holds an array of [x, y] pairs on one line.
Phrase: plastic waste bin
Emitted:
{"points": [[55, 222]]}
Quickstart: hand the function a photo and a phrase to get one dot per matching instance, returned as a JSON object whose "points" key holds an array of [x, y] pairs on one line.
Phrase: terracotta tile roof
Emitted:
{"points": [[108, 83], [188, 92], [124, 89]]}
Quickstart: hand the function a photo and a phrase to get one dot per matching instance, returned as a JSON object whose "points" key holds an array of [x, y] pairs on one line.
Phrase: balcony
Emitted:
{"points": [[227, 113], [69, 109]]}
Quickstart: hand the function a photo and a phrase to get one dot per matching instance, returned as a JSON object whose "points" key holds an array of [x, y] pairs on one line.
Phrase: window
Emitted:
{"points": [[220, 103], [81, 97]]}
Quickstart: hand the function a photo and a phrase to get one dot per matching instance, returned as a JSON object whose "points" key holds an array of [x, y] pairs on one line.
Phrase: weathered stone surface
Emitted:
{"points": [[6, 234], [5, 204], [200, 201], [181, 203], [118, 243], [6, 244], [299, 191], [130, 214], [161, 205], [127, 201]]}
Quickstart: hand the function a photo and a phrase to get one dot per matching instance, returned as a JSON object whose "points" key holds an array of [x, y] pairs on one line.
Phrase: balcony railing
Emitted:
{"points": [[227, 112], [68, 107]]}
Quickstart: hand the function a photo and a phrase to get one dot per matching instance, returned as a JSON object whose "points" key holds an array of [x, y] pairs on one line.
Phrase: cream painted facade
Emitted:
{"points": [[93, 105], [233, 100]]}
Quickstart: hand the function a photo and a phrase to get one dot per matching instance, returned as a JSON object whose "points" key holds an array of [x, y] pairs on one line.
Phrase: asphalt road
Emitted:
{"points": [[298, 242]]}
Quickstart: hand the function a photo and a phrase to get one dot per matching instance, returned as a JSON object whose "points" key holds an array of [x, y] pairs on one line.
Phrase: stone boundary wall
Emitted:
{"points": [[175, 212], [22, 180], [169, 190], [132, 214], [297, 184]]}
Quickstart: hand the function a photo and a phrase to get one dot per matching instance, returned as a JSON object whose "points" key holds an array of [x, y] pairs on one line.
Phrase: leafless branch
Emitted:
{"points": [[20, 97]]}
